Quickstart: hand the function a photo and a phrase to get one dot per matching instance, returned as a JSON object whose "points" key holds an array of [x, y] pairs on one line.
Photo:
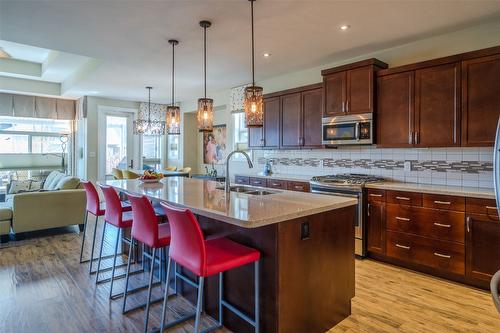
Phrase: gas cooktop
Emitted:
{"points": [[345, 179]]}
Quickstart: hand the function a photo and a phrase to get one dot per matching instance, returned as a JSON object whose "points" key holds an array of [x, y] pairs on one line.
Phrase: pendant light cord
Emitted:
{"points": [[173, 69], [253, 47], [149, 105], [205, 58]]}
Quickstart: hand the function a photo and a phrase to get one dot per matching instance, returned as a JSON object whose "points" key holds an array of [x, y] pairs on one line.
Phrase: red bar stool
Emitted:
{"points": [[96, 208], [145, 229], [204, 258]]}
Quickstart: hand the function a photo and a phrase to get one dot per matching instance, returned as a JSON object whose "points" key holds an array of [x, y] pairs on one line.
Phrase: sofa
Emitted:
{"points": [[60, 201]]}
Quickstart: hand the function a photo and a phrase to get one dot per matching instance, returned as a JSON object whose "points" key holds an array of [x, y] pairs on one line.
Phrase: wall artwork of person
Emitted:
{"points": [[214, 145]]}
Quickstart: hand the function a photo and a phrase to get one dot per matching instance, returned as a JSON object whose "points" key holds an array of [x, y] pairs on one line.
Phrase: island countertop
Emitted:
{"points": [[205, 198]]}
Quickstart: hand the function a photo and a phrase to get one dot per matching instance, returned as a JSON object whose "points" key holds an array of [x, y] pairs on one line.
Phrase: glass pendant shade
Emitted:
{"points": [[173, 120], [146, 124], [254, 111], [205, 115]]}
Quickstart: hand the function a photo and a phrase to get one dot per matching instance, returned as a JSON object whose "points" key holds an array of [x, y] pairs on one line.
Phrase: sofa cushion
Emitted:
{"points": [[17, 186], [53, 184], [67, 183], [49, 179], [5, 212], [36, 185]]}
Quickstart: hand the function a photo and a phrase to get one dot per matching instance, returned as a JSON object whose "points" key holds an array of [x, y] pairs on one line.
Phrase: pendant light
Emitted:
{"points": [[145, 125], [254, 111], [173, 111], [205, 113]]}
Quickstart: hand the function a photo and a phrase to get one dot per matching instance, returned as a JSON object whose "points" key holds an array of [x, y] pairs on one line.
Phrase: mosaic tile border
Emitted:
{"points": [[473, 167]]}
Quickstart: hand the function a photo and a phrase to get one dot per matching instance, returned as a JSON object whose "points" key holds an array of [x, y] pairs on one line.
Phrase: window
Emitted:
{"points": [[151, 152], [240, 131], [173, 147]]}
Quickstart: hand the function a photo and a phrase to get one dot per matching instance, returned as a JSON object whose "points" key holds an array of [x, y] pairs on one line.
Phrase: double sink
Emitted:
{"points": [[249, 190]]}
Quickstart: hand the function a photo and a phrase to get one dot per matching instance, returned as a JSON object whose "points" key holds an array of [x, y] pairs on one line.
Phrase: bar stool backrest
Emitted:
{"points": [[92, 197], [145, 226], [187, 246], [113, 213]]}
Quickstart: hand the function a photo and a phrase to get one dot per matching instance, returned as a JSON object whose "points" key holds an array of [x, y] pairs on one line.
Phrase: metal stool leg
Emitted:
{"points": [[257, 298], [114, 263], [165, 297], [128, 274], [199, 305], [149, 289], [84, 233], [100, 253], [93, 246]]}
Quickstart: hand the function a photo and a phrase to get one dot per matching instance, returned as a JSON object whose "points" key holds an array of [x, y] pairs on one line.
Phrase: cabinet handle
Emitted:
{"points": [[375, 195], [442, 255], [491, 207], [347, 106], [410, 138], [442, 202], [368, 210], [403, 198], [403, 246], [402, 219], [417, 137], [468, 223], [299, 187], [343, 107], [442, 225], [275, 184]]}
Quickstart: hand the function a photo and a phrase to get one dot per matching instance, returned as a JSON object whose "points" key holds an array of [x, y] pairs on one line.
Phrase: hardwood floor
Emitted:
{"points": [[43, 288]]}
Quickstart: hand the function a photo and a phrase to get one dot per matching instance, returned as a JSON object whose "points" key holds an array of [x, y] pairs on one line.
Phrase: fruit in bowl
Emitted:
{"points": [[151, 176]]}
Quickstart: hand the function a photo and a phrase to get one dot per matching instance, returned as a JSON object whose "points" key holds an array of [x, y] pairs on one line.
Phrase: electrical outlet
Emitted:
{"points": [[407, 166]]}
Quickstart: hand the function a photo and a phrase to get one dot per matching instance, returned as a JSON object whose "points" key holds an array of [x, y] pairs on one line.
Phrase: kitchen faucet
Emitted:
{"points": [[228, 180]]}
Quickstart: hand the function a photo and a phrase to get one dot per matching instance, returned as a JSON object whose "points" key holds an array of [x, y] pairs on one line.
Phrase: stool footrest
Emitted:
{"points": [[237, 312], [135, 290], [186, 279], [157, 300], [177, 322]]}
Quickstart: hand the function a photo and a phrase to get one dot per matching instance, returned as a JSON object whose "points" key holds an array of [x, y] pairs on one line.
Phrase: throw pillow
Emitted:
{"points": [[17, 186], [35, 185], [68, 183]]}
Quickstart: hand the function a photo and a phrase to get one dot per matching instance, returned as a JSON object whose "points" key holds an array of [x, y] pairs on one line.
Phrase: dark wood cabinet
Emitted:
{"points": [[375, 227], [312, 111], [349, 89], [483, 247], [291, 120], [395, 110], [268, 135], [480, 100], [437, 105], [335, 94]]}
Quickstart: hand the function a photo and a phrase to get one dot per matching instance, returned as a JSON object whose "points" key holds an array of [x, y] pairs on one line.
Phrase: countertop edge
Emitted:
{"points": [[430, 189]]}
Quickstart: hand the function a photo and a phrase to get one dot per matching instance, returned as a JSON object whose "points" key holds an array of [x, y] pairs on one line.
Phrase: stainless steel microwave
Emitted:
{"points": [[348, 130]]}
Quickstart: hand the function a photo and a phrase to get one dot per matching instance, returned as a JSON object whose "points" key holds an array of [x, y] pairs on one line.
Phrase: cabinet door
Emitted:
{"points": [[291, 125], [255, 137], [437, 106], [312, 110], [335, 94], [271, 122], [483, 246], [395, 110], [375, 225], [359, 90], [480, 100]]}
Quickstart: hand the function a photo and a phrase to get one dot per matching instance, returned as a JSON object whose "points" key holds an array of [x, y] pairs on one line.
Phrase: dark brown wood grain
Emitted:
{"points": [[375, 226], [277, 183], [335, 94], [312, 112], [439, 201], [404, 198], [482, 206], [291, 116], [298, 186], [360, 85]]}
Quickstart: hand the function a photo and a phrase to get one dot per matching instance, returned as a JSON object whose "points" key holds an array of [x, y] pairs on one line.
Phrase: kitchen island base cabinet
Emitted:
{"points": [[306, 273]]}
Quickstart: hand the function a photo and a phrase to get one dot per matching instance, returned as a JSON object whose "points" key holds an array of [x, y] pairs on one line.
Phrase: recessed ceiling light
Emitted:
{"points": [[344, 27], [267, 55]]}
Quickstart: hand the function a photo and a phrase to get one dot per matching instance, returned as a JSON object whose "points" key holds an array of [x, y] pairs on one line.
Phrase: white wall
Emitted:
{"points": [[478, 37]]}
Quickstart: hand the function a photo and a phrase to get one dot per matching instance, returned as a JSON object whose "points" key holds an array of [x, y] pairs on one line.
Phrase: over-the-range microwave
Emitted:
{"points": [[354, 129]]}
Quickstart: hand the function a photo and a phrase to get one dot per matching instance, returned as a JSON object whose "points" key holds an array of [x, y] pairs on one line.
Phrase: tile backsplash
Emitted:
{"points": [[472, 167]]}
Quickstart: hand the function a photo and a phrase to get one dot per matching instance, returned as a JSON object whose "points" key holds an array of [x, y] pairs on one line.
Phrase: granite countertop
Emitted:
{"points": [[204, 198], [474, 192], [282, 176]]}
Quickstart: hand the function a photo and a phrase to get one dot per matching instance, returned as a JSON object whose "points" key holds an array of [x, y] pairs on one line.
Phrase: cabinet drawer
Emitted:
{"points": [[375, 195], [298, 186], [242, 180], [276, 183], [444, 202], [482, 206], [428, 222], [442, 255], [404, 198], [257, 181]]}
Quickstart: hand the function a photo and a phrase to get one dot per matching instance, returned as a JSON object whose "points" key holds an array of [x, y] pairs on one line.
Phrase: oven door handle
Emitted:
{"points": [[357, 131], [336, 193]]}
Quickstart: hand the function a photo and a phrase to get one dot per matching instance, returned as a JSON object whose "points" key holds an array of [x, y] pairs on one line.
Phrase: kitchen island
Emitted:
{"points": [[306, 242]]}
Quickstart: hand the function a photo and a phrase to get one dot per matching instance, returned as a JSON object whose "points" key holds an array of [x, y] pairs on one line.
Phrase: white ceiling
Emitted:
{"points": [[128, 39]]}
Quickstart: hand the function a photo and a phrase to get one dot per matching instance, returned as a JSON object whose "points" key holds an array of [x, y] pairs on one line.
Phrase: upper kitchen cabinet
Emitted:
{"points": [[291, 124], [480, 100], [349, 89], [268, 135]]}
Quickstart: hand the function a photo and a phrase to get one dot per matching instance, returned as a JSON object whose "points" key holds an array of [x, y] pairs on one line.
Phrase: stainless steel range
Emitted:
{"points": [[347, 185]]}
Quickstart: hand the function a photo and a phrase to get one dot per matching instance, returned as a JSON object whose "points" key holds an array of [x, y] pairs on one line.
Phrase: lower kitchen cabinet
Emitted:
{"points": [[275, 183], [483, 246], [375, 223]]}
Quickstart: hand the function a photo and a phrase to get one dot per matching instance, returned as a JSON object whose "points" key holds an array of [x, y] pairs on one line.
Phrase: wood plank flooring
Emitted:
{"points": [[43, 288]]}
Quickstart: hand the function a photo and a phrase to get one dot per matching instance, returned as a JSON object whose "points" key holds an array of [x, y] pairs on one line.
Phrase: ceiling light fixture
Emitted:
{"points": [[344, 27], [254, 111], [145, 124], [205, 113], [173, 111]]}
